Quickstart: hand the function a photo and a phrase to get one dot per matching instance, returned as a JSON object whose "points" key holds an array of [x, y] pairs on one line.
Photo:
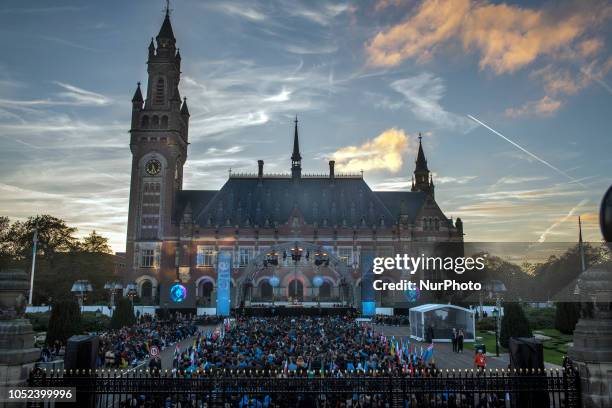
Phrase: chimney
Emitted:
{"points": [[260, 169], [331, 169]]}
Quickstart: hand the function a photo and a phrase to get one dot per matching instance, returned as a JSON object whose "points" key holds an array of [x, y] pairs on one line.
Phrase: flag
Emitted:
{"points": [[428, 352]]}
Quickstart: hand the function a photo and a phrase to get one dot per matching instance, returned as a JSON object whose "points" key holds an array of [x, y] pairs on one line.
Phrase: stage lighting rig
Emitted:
{"points": [[271, 259], [296, 253], [321, 258]]}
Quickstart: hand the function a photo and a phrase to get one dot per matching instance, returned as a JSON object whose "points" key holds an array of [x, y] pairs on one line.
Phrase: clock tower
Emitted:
{"points": [[158, 141]]}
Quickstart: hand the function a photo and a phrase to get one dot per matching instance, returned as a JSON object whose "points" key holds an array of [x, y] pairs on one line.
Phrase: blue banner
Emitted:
{"points": [[368, 300], [224, 276]]}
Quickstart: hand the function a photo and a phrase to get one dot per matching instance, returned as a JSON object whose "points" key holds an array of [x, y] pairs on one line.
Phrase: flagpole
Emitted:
{"points": [[35, 242]]}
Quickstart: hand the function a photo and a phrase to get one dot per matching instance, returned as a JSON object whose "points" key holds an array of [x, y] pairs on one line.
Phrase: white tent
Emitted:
{"points": [[441, 319]]}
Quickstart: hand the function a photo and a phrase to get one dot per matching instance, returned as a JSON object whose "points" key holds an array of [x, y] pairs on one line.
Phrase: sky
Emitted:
{"points": [[513, 101]]}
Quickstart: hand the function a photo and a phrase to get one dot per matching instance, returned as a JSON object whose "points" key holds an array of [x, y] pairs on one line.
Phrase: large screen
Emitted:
{"points": [[175, 295]]}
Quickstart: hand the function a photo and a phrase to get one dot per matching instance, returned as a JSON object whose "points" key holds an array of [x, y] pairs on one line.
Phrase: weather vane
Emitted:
{"points": [[168, 10]]}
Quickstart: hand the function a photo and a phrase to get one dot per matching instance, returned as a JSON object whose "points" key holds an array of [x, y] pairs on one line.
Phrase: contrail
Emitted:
{"points": [[561, 221], [564, 174]]}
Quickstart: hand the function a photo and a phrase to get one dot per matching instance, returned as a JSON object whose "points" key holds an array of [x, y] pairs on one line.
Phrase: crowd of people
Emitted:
{"points": [[332, 344], [131, 346]]}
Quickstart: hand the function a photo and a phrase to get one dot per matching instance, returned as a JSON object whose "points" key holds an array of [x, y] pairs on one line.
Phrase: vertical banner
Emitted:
{"points": [[368, 300], [224, 268]]}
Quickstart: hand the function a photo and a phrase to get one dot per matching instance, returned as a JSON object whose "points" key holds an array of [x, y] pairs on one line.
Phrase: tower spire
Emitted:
{"points": [[296, 157], [581, 246], [422, 179]]}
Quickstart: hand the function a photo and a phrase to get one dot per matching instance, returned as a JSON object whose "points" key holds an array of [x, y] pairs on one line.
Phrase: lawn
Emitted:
{"points": [[554, 349]]}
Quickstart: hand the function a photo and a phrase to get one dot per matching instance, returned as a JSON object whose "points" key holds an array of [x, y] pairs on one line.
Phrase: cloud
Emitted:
{"points": [[81, 96], [384, 152], [241, 10], [423, 94], [230, 95], [452, 179], [71, 96], [519, 180], [545, 106], [506, 37]]}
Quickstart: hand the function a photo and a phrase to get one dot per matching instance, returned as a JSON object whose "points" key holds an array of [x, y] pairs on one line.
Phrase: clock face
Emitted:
{"points": [[153, 167]]}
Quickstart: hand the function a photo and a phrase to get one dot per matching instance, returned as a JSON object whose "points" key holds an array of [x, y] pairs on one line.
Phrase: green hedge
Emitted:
{"points": [[485, 324], [65, 321], [514, 323], [541, 318]]}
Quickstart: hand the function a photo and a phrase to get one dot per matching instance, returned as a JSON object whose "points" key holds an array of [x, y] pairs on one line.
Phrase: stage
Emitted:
{"points": [[266, 309]]}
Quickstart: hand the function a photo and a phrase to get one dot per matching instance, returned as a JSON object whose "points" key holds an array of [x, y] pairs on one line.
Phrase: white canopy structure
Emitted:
{"points": [[437, 321]]}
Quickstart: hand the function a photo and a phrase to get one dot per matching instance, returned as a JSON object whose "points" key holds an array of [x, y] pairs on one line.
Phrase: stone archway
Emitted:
{"points": [[258, 268]]}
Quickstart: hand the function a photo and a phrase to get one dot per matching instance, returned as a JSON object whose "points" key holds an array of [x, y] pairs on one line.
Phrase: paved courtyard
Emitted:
{"points": [[443, 352]]}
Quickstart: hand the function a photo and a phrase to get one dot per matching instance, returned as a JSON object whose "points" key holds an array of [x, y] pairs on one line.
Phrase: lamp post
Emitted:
{"points": [[80, 289], [131, 291], [34, 245], [496, 288], [318, 282], [113, 288]]}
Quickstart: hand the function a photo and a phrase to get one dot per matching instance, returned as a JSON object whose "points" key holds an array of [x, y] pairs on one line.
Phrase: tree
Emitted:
{"points": [[54, 236], [95, 243], [123, 315], [6, 247], [566, 316], [513, 324], [65, 321]]}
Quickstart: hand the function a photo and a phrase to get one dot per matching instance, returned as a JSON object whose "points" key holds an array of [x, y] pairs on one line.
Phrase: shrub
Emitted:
{"points": [[123, 315], [541, 318], [485, 323], [40, 321], [65, 321], [566, 317], [514, 324], [95, 322]]}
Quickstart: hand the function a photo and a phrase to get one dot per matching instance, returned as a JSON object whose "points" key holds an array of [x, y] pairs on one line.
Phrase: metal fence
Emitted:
{"points": [[222, 388]]}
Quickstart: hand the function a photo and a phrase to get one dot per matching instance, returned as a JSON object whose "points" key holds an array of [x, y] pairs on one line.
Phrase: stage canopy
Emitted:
{"points": [[436, 322]]}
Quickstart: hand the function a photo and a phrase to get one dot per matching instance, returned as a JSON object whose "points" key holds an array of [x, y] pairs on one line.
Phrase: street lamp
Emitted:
{"points": [[80, 289], [113, 288], [131, 291], [496, 288]]}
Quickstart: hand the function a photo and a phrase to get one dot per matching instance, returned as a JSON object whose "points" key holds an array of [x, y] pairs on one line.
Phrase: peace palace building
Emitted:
{"points": [[293, 236]]}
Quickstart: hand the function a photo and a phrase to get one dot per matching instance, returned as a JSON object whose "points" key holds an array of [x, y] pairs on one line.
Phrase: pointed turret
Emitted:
{"points": [[184, 109], [151, 49], [296, 157], [137, 100]]}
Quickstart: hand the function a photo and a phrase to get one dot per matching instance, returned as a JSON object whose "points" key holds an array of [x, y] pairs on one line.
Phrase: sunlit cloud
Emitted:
{"points": [[545, 106], [384, 152], [507, 37]]}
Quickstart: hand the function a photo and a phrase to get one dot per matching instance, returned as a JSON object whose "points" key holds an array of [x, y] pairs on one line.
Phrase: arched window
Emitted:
{"points": [[155, 122], [266, 290], [206, 290], [325, 291], [425, 224], [160, 91], [145, 122], [296, 290], [146, 290], [164, 122], [437, 224]]}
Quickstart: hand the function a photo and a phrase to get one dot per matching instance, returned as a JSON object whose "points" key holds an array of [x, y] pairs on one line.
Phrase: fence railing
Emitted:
{"points": [[246, 388]]}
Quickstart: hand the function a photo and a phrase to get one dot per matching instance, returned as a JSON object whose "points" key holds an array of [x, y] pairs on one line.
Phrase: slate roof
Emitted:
{"points": [[344, 202]]}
